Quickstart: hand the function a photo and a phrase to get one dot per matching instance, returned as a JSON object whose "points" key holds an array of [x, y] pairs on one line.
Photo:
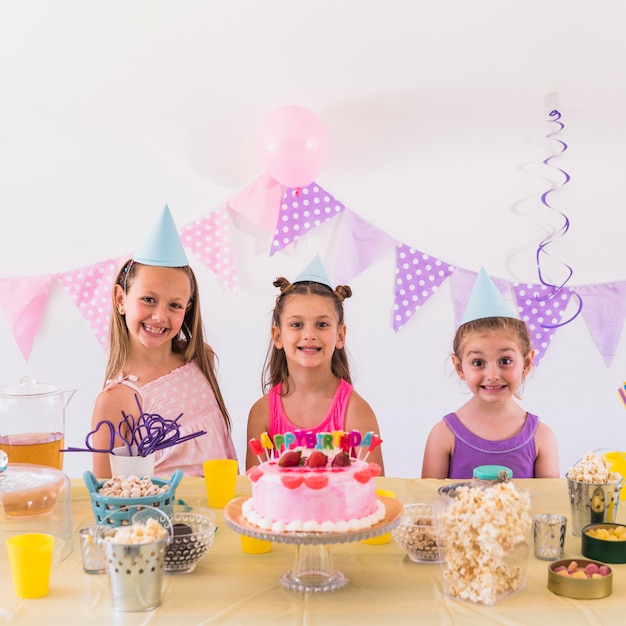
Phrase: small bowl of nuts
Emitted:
{"points": [[115, 500], [416, 534]]}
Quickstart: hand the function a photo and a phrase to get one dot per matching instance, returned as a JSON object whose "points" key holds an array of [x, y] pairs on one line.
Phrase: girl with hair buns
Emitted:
{"points": [[306, 375]]}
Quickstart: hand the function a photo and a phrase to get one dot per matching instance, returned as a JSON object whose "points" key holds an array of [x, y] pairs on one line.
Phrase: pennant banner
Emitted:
{"points": [[295, 212], [542, 315], [208, 238], [259, 202], [604, 313], [418, 276], [90, 290], [24, 301], [303, 210], [360, 244]]}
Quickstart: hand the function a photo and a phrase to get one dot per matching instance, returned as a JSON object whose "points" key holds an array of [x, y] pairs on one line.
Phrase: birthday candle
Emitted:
{"points": [[257, 448], [266, 442], [365, 443], [376, 441]]}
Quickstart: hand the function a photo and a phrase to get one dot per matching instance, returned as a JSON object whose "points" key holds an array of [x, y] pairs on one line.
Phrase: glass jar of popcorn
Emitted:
{"points": [[483, 539]]}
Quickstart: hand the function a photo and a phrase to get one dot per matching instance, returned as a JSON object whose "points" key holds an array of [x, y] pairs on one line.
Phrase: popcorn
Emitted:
{"points": [[594, 469], [479, 530], [139, 533]]}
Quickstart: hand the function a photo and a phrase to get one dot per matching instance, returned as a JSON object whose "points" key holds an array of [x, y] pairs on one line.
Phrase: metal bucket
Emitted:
{"points": [[591, 503], [135, 570], [135, 573]]}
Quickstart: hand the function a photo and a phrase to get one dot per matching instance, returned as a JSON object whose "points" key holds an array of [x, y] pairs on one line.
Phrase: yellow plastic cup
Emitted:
{"points": [[220, 478], [618, 464], [250, 545], [30, 559], [385, 537]]}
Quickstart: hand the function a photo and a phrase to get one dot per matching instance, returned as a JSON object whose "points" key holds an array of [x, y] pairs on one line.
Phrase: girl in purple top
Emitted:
{"points": [[493, 356]]}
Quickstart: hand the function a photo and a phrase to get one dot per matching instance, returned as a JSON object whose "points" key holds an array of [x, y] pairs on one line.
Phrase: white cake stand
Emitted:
{"points": [[313, 569]]}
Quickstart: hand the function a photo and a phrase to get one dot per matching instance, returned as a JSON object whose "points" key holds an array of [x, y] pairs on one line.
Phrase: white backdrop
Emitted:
{"points": [[437, 117]]}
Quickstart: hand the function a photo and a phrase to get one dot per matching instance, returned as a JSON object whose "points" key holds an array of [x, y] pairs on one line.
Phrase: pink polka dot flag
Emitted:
{"points": [[418, 276], [208, 238], [90, 289], [302, 210], [541, 315]]}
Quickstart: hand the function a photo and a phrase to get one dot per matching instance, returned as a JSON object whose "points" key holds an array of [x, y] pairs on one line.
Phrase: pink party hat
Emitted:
{"points": [[162, 247], [485, 300], [314, 272]]}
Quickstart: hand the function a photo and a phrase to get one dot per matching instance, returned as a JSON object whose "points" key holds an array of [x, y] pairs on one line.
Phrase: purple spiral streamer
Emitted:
{"points": [[541, 249]]}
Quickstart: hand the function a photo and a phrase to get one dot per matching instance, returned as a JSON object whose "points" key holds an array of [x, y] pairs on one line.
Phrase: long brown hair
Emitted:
{"points": [[275, 369], [189, 343]]}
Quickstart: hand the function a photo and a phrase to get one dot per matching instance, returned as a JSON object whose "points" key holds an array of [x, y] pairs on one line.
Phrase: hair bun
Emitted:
{"points": [[342, 292]]}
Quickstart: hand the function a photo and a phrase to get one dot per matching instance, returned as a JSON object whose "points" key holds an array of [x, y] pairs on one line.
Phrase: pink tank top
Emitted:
{"points": [[335, 420], [186, 390]]}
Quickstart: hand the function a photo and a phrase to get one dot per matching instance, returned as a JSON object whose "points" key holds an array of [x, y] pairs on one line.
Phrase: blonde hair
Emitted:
{"points": [[275, 369], [189, 343]]}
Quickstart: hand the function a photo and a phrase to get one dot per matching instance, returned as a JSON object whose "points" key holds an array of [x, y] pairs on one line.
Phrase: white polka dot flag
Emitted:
{"points": [[208, 238], [90, 289], [302, 210], [541, 314], [23, 302], [418, 276]]}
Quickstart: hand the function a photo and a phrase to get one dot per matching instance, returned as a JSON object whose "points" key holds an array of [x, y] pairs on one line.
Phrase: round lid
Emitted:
{"points": [[29, 387], [27, 489], [492, 472]]}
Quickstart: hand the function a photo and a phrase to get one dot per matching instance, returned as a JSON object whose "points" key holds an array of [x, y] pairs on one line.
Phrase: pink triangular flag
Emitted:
{"points": [[604, 311], [360, 243], [208, 238], [541, 314], [90, 290], [418, 276], [303, 210], [462, 283], [23, 301], [259, 202]]}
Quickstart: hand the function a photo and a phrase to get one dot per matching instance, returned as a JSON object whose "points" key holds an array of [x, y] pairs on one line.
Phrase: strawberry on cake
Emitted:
{"points": [[311, 490]]}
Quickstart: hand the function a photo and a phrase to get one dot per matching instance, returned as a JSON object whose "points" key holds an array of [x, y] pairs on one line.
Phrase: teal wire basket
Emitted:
{"points": [[119, 511]]}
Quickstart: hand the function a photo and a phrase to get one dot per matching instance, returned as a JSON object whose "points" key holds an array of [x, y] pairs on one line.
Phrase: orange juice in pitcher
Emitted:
{"points": [[32, 422]]}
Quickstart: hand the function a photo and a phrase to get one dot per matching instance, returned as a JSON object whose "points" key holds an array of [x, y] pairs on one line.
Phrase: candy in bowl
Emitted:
{"points": [[193, 535], [416, 535]]}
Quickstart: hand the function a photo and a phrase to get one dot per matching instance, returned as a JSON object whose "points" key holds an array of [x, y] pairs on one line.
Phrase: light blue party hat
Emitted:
{"points": [[162, 247], [314, 272], [485, 300]]}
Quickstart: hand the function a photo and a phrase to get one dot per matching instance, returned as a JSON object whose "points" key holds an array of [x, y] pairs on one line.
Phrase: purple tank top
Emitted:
{"points": [[470, 451]]}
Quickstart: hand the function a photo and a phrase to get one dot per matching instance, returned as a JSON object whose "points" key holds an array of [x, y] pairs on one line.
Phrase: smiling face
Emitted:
{"points": [[154, 304], [309, 330], [492, 364]]}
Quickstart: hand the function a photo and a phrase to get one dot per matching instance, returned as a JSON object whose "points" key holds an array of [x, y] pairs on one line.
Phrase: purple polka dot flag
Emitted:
{"points": [[302, 210], [90, 289], [418, 276], [208, 238], [542, 315]]}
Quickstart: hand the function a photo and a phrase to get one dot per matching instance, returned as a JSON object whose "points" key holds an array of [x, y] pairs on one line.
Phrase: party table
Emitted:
{"points": [[384, 586]]}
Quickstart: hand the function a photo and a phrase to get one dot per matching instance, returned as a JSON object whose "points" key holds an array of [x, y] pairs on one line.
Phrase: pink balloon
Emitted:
{"points": [[293, 145]]}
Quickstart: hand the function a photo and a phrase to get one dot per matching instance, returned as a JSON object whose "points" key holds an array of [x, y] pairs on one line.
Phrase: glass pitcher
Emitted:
{"points": [[32, 422]]}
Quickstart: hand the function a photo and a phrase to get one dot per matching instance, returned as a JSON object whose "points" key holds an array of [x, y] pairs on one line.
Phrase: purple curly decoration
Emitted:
{"points": [[541, 250]]}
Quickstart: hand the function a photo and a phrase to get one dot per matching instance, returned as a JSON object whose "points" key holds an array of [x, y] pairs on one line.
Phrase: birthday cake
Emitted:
{"points": [[315, 488]]}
